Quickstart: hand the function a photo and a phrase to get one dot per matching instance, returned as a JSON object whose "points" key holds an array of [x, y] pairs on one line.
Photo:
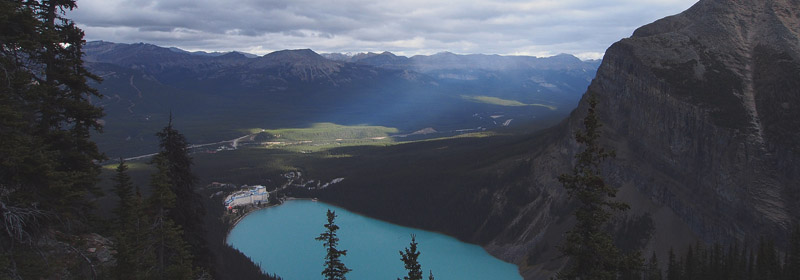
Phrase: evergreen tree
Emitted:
{"points": [[751, 267], [173, 259], [131, 230], [630, 267], [674, 270], [716, 266], [731, 261], [590, 248], [409, 258], [123, 188], [46, 115], [791, 266], [737, 262], [652, 270], [123, 225], [430, 275], [48, 166], [188, 209], [140, 236], [767, 263], [334, 268], [703, 262], [689, 265]]}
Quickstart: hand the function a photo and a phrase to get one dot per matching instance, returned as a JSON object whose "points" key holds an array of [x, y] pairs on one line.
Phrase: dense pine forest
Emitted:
{"points": [[50, 166], [763, 260], [165, 229]]}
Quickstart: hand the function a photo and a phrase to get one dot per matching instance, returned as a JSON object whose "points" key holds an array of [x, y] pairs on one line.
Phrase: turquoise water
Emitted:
{"points": [[281, 240]]}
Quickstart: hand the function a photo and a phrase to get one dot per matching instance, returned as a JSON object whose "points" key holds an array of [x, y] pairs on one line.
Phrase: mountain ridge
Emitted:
{"points": [[300, 87], [709, 155], [451, 61]]}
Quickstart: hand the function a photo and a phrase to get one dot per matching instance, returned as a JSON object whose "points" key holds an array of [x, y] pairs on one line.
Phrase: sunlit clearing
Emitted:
{"points": [[323, 136], [502, 102], [339, 156], [331, 132], [131, 165]]}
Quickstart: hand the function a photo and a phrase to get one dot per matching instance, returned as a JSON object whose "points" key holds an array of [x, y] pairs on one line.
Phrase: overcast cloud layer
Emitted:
{"points": [[534, 27]]}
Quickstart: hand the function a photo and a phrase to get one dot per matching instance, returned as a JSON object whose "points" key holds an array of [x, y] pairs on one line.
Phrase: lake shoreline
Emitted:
{"points": [[254, 209], [373, 244]]}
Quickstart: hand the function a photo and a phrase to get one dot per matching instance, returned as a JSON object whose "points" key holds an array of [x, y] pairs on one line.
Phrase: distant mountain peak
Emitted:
{"points": [[305, 64], [248, 55], [302, 52], [234, 54], [294, 55], [177, 50], [565, 55], [563, 58], [444, 53]]}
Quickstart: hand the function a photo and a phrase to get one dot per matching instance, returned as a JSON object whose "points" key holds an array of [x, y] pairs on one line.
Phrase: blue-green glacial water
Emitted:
{"points": [[281, 240]]}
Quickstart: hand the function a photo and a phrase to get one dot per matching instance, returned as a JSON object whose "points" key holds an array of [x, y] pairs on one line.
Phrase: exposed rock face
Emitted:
{"points": [[690, 96], [702, 108]]}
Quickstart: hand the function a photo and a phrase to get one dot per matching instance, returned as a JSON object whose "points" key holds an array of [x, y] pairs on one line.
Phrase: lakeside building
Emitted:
{"points": [[248, 195]]}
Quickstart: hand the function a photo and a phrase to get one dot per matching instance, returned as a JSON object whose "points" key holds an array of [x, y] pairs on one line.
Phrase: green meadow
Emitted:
{"points": [[503, 102]]}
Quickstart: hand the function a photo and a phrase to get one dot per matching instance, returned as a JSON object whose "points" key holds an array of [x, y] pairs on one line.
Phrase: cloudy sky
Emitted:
{"points": [[516, 27]]}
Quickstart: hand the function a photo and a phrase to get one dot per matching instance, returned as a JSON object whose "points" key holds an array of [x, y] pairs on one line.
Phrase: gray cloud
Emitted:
{"points": [[535, 27]]}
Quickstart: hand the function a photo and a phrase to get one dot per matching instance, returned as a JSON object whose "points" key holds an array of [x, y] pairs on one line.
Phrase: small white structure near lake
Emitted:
{"points": [[246, 196]]}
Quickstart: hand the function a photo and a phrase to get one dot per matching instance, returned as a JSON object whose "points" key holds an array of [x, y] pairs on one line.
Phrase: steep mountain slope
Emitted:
{"points": [[701, 108]]}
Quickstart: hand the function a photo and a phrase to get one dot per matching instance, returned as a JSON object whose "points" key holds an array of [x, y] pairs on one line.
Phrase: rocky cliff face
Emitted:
{"points": [[702, 108], [691, 97]]}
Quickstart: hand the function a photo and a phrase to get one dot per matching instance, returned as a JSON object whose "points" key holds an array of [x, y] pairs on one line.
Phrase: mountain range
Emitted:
{"points": [[451, 61], [701, 109], [216, 96]]}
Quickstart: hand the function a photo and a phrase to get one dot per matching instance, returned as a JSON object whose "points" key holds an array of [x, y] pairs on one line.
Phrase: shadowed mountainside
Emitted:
{"points": [[701, 108]]}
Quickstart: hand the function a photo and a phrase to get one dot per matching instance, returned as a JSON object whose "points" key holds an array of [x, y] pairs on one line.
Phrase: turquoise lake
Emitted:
{"points": [[281, 240]]}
